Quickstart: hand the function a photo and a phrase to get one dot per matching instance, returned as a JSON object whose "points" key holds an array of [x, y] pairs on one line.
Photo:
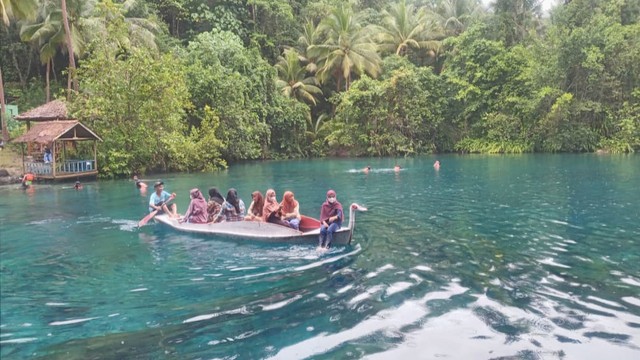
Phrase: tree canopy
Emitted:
{"points": [[195, 85]]}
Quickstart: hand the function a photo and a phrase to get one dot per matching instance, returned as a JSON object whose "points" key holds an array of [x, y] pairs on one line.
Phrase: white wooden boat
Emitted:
{"points": [[268, 232]]}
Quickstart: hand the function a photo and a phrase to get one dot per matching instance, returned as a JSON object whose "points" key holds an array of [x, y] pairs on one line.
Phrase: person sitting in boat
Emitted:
{"points": [[272, 210], [215, 204], [255, 209], [290, 210], [159, 198], [27, 179], [232, 209], [331, 215], [197, 210]]}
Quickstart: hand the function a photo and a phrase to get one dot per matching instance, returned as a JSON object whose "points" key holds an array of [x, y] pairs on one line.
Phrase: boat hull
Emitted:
{"points": [[253, 230]]}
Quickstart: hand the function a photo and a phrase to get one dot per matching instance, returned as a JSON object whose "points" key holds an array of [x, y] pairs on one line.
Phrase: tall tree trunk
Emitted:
{"points": [[72, 60], [3, 111], [48, 71]]}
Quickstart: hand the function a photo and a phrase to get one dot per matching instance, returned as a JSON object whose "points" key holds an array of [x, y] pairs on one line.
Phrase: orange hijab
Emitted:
{"points": [[270, 204], [288, 202]]}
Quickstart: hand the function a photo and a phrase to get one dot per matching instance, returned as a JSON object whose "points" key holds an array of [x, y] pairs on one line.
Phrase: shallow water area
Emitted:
{"points": [[489, 257]]}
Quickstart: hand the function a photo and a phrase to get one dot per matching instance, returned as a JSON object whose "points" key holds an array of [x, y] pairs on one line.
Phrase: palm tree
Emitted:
{"points": [[140, 31], [454, 16], [9, 10], [69, 43], [517, 18], [347, 49], [403, 28], [48, 36], [293, 81], [17, 9], [310, 36]]}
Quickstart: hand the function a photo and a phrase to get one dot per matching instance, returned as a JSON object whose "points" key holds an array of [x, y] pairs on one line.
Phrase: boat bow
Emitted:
{"points": [[352, 217]]}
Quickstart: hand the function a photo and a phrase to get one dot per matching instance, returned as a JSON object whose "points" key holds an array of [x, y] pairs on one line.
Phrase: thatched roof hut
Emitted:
{"points": [[53, 110], [48, 140], [49, 131]]}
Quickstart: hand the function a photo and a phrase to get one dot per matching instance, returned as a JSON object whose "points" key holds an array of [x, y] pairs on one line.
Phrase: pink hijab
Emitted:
{"points": [[328, 209], [270, 205], [197, 211]]}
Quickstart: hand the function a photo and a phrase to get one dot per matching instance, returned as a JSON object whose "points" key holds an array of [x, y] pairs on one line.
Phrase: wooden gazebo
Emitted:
{"points": [[61, 135]]}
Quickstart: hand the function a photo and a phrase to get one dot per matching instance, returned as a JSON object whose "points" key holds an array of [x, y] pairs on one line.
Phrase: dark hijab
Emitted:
{"points": [[215, 195], [232, 198]]}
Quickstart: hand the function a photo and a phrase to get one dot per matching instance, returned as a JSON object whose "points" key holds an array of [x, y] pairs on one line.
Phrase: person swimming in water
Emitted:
{"points": [[436, 165], [140, 184], [27, 179]]}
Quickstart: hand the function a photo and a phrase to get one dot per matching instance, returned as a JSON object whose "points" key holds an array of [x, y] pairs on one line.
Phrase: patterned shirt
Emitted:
{"points": [[229, 213]]}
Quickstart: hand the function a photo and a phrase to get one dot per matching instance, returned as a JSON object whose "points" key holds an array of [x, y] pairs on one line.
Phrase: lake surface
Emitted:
{"points": [[490, 257]]}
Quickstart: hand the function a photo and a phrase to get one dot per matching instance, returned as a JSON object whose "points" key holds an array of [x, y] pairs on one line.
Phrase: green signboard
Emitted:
{"points": [[12, 112]]}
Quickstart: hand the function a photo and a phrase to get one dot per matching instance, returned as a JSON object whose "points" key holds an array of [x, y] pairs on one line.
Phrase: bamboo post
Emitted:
{"points": [[53, 157]]}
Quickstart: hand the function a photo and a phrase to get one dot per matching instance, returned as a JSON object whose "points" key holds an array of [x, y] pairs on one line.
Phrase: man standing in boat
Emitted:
{"points": [[159, 199]]}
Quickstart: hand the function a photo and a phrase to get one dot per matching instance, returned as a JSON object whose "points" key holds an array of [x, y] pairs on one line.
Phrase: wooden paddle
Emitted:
{"points": [[146, 219]]}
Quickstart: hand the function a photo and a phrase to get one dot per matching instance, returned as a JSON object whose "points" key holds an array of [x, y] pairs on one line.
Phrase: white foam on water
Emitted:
{"points": [[281, 304], [56, 304], [18, 341], [72, 321], [630, 281], [398, 287], [631, 300], [550, 261]]}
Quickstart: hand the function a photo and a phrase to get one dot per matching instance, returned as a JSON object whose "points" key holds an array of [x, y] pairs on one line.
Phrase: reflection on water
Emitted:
{"points": [[519, 257]]}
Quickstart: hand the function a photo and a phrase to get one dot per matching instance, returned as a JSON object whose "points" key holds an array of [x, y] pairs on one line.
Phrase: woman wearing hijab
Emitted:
{"points": [[233, 208], [331, 216], [197, 211], [215, 204], [290, 210], [255, 209], [272, 211]]}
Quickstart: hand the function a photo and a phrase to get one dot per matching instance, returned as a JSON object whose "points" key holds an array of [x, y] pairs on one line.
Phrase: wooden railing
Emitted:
{"points": [[77, 165], [38, 168], [67, 166]]}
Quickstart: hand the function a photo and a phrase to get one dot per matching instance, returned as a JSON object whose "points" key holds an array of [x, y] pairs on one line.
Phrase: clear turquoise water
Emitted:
{"points": [[525, 257]]}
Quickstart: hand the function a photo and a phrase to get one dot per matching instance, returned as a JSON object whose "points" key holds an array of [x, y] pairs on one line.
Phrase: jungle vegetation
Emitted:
{"points": [[194, 85]]}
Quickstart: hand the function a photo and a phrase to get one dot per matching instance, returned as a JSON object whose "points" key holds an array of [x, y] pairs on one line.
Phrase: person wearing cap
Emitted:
{"points": [[331, 215], [77, 185], [159, 198]]}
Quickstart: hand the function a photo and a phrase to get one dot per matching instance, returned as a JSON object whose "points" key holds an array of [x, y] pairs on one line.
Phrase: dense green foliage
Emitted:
{"points": [[195, 84]]}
